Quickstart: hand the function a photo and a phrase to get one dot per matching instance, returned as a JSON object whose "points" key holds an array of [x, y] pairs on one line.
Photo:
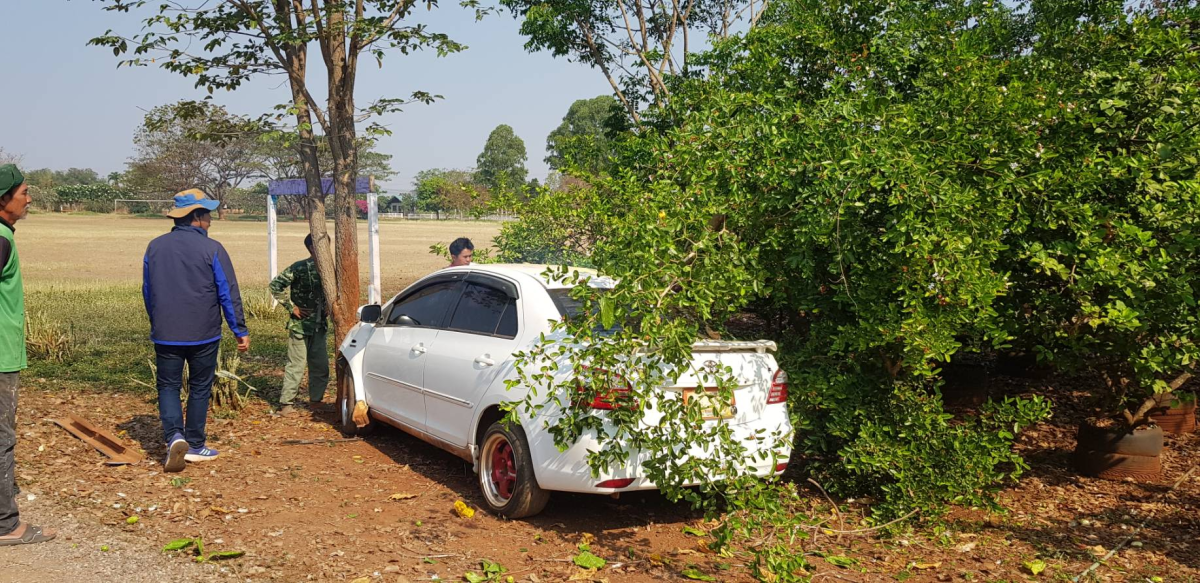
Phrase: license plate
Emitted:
{"points": [[712, 406]]}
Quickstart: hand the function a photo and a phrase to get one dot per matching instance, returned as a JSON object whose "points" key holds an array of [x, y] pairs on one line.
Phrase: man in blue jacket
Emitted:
{"points": [[187, 284]]}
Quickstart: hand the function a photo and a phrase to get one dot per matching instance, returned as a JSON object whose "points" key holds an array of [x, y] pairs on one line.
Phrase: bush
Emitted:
{"points": [[895, 184], [97, 198]]}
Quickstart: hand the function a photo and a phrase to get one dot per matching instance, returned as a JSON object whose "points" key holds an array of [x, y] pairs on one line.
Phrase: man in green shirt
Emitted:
{"points": [[306, 330], [14, 206]]}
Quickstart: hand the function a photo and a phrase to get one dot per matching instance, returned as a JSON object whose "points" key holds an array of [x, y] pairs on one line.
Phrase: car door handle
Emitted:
{"points": [[419, 349], [485, 361]]}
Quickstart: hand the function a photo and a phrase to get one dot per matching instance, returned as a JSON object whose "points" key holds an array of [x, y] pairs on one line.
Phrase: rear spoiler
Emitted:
{"points": [[759, 346]]}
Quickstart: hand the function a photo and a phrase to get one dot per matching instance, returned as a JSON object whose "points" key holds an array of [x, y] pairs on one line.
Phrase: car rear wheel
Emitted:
{"points": [[506, 473], [347, 401]]}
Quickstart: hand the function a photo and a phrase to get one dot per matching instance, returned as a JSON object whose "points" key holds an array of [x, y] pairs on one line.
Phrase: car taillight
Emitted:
{"points": [[607, 399], [617, 483], [779, 388]]}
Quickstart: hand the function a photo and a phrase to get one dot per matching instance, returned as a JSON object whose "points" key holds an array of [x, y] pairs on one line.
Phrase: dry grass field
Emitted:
{"points": [[106, 250]]}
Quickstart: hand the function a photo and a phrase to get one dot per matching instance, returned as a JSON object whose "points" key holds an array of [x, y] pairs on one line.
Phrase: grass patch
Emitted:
{"points": [[110, 349]]}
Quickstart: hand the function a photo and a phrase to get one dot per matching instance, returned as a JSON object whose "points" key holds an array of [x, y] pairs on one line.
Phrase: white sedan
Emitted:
{"points": [[433, 361]]}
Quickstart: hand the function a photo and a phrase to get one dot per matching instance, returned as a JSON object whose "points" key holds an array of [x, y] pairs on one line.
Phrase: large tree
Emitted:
{"points": [[501, 164], [171, 154], [225, 44], [582, 140], [636, 44], [438, 189]]}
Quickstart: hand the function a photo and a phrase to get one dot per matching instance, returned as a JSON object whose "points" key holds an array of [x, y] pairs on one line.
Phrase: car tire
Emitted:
{"points": [[506, 476], [346, 402]]}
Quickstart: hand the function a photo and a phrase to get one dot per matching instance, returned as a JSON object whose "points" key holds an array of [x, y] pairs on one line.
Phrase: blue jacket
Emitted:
{"points": [[187, 283]]}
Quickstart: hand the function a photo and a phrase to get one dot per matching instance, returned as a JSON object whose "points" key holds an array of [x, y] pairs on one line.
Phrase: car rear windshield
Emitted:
{"points": [[571, 308]]}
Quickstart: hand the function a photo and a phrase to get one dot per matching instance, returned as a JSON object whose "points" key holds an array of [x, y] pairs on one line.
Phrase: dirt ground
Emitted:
{"points": [[51, 245], [328, 513]]}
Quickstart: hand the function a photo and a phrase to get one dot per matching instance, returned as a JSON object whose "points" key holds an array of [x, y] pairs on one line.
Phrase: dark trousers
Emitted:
{"points": [[202, 367], [9, 517]]}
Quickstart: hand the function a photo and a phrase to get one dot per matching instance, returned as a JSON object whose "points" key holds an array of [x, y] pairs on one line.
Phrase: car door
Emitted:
{"points": [[396, 354], [471, 352]]}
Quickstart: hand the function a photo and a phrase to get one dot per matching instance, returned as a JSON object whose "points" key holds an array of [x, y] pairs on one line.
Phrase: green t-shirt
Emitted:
{"points": [[12, 309]]}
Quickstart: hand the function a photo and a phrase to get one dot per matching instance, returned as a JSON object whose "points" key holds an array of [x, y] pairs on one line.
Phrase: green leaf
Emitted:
{"points": [[607, 317], [471, 577], [587, 560], [1035, 566], [223, 555], [178, 544], [694, 531], [697, 575], [840, 560]]}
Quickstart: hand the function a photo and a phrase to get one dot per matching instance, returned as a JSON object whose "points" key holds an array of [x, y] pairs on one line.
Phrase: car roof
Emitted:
{"points": [[532, 270]]}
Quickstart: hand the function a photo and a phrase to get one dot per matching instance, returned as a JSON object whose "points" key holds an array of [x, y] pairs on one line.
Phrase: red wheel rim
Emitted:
{"points": [[504, 469]]}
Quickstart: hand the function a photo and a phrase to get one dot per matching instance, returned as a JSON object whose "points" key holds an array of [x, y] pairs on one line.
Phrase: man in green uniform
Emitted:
{"points": [[14, 206], [306, 330]]}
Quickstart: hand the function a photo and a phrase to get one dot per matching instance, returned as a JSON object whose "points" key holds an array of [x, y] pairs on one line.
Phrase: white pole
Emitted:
{"points": [[272, 247], [374, 292]]}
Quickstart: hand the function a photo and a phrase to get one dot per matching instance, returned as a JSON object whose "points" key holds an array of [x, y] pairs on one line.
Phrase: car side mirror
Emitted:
{"points": [[369, 313], [405, 321]]}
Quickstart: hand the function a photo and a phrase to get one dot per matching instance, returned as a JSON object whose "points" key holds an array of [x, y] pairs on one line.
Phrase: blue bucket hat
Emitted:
{"points": [[190, 200]]}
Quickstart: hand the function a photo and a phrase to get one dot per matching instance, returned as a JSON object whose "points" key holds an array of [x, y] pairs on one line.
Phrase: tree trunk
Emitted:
{"points": [[341, 70]]}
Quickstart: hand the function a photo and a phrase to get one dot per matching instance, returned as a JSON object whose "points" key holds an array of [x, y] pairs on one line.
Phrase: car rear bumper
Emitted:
{"points": [[568, 471]]}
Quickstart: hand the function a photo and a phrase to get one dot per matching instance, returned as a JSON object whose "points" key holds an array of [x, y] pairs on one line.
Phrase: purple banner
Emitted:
{"points": [[299, 187]]}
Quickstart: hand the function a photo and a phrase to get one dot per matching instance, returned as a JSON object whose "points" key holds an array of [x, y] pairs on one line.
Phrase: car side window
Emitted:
{"points": [[485, 310], [424, 307]]}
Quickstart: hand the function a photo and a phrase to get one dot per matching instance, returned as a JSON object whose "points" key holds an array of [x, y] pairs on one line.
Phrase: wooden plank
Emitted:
{"points": [[107, 443]]}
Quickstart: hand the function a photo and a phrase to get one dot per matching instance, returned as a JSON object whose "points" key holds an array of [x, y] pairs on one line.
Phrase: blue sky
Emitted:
{"points": [[64, 104]]}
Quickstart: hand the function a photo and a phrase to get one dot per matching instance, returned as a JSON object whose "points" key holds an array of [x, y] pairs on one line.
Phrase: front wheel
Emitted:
{"points": [[506, 473], [347, 401]]}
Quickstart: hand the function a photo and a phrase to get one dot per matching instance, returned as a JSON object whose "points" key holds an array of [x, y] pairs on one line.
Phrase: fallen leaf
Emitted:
{"points": [[587, 560], [463, 510], [587, 539], [178, 544], [1097, 550], [840, 560], [1035, 566], [926, 565], [218, 510], [362, 580], [694, 531], [402, 496], [966, 548], [697, 575]]}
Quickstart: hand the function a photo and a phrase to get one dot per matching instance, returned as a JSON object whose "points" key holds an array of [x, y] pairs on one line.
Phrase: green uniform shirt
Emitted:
{"points": [[306, 293], [12, 308]]}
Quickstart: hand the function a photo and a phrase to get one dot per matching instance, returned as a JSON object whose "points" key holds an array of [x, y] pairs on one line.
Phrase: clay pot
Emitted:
{"points": [[1115, 453], [1177, 419]]}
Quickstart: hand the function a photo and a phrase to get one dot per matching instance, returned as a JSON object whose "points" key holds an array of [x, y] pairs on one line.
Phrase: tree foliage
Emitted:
{"points": [[171, 154], [501, 164], [224, 44], [636, 44], [582, 141], [439, 190], [893, 185]]}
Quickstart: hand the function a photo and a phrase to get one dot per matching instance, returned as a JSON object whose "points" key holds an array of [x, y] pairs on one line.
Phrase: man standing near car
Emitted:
{"points": [[14, 206], [187, 284], [298, 289]]}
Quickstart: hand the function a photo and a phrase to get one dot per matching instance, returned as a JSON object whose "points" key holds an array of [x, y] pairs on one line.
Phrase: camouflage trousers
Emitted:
{"points": [[305, 351]]}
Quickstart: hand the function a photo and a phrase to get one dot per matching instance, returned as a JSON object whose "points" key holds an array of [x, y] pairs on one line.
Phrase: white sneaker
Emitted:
{"points": [[203, 454]]}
